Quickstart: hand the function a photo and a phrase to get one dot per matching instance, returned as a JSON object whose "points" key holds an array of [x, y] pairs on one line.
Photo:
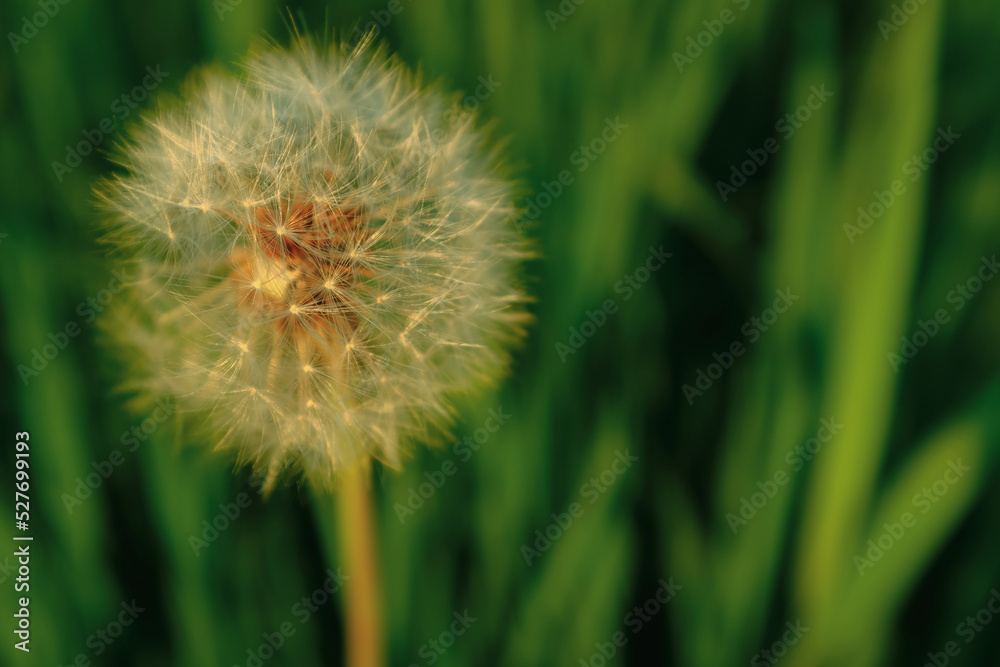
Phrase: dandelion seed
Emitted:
{"points": [[278, 208]]}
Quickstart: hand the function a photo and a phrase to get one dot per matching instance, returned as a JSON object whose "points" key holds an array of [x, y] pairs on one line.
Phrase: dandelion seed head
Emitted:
{"points": [[309, 211]]}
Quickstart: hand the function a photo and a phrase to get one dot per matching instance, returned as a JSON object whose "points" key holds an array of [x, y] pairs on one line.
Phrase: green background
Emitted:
{"points": [[688, 124]]}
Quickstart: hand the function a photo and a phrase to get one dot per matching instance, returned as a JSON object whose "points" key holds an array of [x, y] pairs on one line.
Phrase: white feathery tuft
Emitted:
{"points": [[319, 271]]}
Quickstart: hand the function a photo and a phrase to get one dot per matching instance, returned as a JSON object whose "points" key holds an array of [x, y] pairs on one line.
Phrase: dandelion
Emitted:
{"points": [[324, 255]]}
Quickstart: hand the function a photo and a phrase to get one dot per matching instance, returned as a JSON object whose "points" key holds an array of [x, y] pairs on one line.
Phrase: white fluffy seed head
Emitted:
{"points": [[324, 257]]}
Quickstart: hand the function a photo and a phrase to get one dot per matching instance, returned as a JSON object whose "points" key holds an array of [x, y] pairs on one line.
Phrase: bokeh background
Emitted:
{"points": [[689, 114]]}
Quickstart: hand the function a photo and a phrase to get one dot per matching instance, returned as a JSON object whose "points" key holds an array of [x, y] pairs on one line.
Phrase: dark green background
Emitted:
{"points": [[622, 390]]}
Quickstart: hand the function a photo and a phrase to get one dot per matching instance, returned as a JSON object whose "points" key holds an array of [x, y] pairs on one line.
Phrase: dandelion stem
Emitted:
{"points": [[359, 554]]}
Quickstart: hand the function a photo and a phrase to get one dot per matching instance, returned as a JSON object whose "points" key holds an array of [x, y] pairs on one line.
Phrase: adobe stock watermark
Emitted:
{"points": [[88, 309], [121, 107], [432, 650], [786, 126], [223, 7], [629, 284], [778, 649], [30, 25], [713, 29], [484, 91], [382, 19], [103, 638], [959, 297], [227, 516], [581, 158], [753, 329], [796, 459], [130, 440], [924, 500], [915, 168], [968, 629], [302, 611], [565, 9], [635, 620], [463, 450], [898, 17], [591, 490], [7, 569]]}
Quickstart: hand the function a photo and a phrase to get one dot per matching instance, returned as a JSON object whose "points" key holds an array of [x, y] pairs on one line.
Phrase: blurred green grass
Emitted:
{"points": [[656, 184]]}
